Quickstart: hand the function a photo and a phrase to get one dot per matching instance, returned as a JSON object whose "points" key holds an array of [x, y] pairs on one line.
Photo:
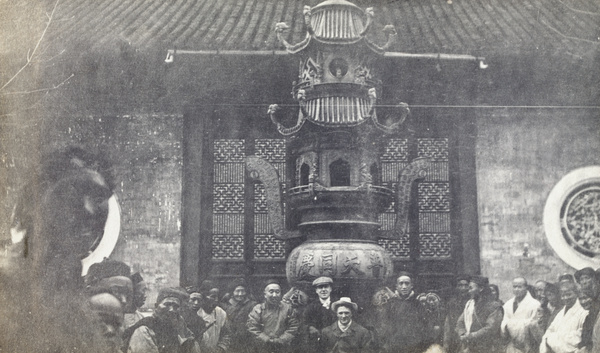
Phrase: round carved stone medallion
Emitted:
{"points": [[572, 218]]}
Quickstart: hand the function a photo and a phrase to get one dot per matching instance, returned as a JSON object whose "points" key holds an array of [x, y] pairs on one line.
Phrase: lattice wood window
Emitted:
{"points": [[228, 199], [394, 158], [265, 245], [433, 198], [230, 194]]}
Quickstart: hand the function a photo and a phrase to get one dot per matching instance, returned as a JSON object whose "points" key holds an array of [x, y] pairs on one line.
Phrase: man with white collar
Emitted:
{"points": [[318, 313], [345, 335], [403, 327], [519, 312], [564, 333]]}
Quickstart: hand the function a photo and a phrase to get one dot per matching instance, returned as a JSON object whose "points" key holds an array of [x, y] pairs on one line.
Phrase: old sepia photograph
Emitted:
{"points": [[290, 176]]}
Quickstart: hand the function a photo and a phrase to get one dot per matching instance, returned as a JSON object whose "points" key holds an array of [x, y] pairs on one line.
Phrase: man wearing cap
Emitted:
{"points": [[237, 308], [318, 313], [114, 276], [216, 337], [345, 335], [164, 331], [403, 326], [588, 282], [519, 312], [479, 325], [454, 308], [564, 333], [272, 323]]}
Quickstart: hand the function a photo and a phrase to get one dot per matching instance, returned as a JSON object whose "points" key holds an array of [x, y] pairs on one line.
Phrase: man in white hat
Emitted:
{"points": [[345, 335], [318, 314]]}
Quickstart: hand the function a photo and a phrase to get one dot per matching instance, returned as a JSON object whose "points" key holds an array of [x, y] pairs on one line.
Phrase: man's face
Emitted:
{"points": [[195, 301], [140, 292], [540, 290], [585, 300], [323, 291], [273, 293], [568, 296], [404, 286], [168, 309], [210, 302], [586, 281], [344, 315], [519, 288], [121, 287], [462, 287], [474, 290], [239, 294], [553, 298]]}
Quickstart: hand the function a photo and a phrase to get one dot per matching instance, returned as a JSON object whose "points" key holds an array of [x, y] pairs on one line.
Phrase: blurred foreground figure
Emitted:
{"points": [[58, 220]]}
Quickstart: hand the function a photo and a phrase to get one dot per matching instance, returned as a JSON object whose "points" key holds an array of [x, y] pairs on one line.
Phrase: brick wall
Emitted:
{"points": [[146, 153], [521, 155]]}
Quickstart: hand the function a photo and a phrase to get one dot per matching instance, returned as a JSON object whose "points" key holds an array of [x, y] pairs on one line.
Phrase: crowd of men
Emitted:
{"points": [[544, 317], [48, 307]]}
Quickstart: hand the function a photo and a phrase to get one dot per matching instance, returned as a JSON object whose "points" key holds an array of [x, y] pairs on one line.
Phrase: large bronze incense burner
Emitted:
{"points": [[336, 197]]}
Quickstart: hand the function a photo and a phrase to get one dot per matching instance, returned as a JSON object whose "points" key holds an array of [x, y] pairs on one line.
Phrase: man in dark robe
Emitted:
{"points": [[345, 335], [403, 326]]}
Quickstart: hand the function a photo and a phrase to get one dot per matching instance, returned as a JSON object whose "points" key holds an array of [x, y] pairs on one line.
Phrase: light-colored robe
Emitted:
{"points": [[514, 324], [564, 333], [215, 335]]}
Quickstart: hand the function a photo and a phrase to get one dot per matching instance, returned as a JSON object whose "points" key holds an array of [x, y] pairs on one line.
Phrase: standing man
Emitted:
{"points": [[344, 335], [272, 323], [164, 331], [403, 327], [237, 309], [216, 337], [540, 289], [479, 325], [454, 308], [588, 282], [140, 289], [564, 333], [318, 313], [519, 312]]}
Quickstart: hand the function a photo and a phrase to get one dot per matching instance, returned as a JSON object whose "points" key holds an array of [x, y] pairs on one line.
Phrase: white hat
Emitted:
{"points": [[345, 301]]}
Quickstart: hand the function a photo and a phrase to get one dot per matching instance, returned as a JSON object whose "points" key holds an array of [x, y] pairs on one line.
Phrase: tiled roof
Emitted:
{"points": [[474, 27]]}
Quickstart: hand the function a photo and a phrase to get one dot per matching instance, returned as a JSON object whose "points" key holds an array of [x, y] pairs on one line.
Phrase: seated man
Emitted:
{"points": [[164, 331], [272, 323], [345, 335]]}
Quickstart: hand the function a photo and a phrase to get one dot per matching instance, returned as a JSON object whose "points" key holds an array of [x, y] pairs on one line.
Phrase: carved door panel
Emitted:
{"points": [[241, 238]]}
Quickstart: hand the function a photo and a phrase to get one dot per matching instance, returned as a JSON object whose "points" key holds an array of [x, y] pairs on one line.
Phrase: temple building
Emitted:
{"points": [[294, 139]]}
